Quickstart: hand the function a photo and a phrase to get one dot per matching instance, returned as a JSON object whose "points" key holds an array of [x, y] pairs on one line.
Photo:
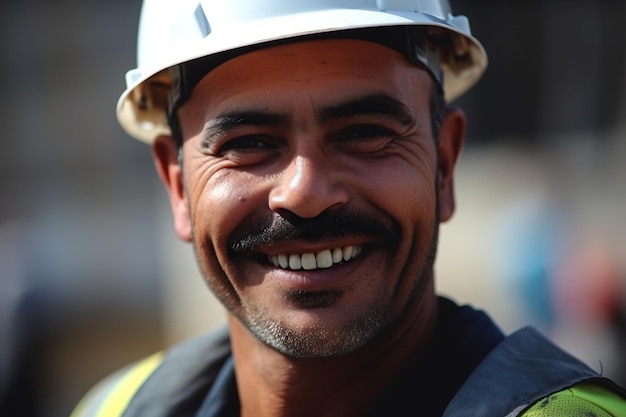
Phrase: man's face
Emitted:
{"points": [[309, 189]]}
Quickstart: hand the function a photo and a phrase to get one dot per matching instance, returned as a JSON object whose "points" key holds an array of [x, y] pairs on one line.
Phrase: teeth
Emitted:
{"points": [[311, 261], [283, 260], [324, 259], [295, 262], [308, 261], [347, 253], [337, 255]]}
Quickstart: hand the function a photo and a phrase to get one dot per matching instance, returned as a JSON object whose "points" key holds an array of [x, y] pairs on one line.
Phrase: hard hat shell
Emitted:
{"points": [[172, 32]]}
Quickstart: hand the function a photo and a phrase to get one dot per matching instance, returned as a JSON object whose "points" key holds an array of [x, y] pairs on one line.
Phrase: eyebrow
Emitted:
{"points": [[239, 118], [371, 104]]}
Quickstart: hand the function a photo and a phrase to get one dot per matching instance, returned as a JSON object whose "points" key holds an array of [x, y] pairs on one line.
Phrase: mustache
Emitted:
{"points": [[276, 228]]}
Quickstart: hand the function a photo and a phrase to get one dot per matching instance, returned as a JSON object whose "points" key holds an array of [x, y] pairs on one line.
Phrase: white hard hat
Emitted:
{"points": [[175, 32]]}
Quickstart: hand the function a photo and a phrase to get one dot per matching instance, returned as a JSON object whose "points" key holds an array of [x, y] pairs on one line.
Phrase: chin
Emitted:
{"points": [[319, 332]]}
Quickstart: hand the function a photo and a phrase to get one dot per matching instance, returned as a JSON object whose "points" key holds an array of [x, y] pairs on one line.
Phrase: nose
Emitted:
{"points": [[308, 186]]}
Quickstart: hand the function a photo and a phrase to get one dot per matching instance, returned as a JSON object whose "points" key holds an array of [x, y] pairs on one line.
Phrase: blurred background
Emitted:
{"points": [[92, 276]]}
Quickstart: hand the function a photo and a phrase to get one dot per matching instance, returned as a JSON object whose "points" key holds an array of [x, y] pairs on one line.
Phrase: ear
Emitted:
{"points": [[165, 154], [451, 137]]}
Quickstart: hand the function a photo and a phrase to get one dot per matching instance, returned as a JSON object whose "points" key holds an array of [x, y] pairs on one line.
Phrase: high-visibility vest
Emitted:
{"points": [[524, 376]]}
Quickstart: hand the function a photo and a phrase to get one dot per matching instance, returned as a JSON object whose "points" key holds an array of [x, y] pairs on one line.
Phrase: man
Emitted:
{"points": [[308, 154]]}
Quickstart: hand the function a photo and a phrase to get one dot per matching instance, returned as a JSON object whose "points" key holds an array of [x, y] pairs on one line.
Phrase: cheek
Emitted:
{"points": [[407, 194], [223, 204], [218, 208], [403, 191], [413, 205]]}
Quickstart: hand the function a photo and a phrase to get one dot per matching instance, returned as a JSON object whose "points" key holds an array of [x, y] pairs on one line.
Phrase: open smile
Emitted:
{"points": [[318, 260]]}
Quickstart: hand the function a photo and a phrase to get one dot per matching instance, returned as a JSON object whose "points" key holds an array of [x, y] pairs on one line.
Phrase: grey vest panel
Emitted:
{"points": [[178, 386], [522, 369]]}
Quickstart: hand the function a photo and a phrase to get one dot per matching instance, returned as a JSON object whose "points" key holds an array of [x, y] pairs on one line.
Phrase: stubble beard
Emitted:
{"points": [[320, 341], [317, 342]]}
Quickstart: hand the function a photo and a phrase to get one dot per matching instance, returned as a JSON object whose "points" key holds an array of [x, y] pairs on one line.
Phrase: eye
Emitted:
{"points": [[244, 144], [365, 138], [364, 132], [248, 150]]}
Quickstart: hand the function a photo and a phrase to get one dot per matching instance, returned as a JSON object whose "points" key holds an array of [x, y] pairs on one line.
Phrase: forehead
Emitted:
{"points": [[315, 70]]}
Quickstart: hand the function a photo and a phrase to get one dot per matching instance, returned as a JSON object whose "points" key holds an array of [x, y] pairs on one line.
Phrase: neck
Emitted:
{"points": [[272, 384]]}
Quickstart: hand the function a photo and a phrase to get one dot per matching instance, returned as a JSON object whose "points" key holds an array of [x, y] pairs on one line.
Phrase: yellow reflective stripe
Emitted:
{"points": [[90, 403], [118, 399]]}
